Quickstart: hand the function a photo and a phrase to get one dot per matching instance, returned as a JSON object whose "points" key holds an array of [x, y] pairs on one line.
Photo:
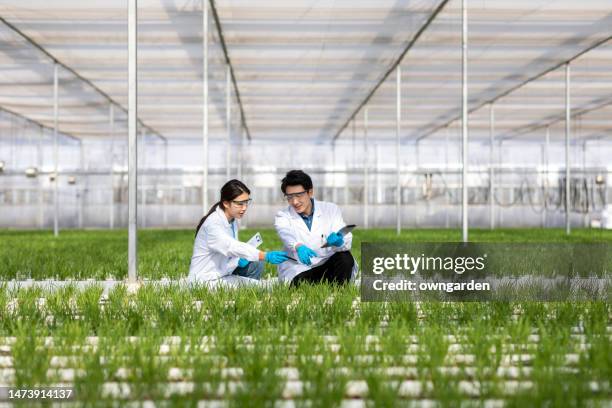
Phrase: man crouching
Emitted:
{"points": [[304, 227]]}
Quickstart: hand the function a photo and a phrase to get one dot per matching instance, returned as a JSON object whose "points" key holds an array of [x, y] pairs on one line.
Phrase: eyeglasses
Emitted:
{"points": [[244, 203], [291, 196]]}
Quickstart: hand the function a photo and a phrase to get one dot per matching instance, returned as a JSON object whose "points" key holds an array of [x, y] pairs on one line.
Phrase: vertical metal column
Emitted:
{"points": [[12, 143], [239, 164], [378, 182], [500, 181], [111, 125], [228, 118], [587, 213], [417, 153], [417, 158], [39, 164], [350, 164], [540, 172], [546, 174], [491, 170], [366, 186], [132, 139], [241, 176], [205, 106], [398, 118], [334, 189], [346, 180], [55, 151], [447, 194], [165, 184], [567, 150], [353, 156], [464, 124], [144, 179], [30, 149], [80, 186]]}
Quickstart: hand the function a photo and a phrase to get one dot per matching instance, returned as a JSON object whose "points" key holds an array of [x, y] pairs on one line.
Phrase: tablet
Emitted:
{"points": [[256, 240], [343, 231], [346, 229]]}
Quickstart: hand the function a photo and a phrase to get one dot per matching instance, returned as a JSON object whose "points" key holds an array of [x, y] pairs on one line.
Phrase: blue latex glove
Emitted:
{"points": [[275, 257], [305, 253], [335, 239], [242, 263]]}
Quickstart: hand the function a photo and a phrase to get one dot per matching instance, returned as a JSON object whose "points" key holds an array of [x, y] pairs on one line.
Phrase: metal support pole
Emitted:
{"points": [[55, 151], [334, 190], [239, 164], [80, 186], [584, 175], [111, 125], [205, 106], [39, 164], [500, 181], [378, 178], [353, 156], [346, 186], [567, 150], [132, 139], [491, 164], [541, 175], [417, 208], [366, 186], [30, 149], [398, 118], [144, 179], [228, 118], [166, 183], [447, 195], [12, 143], [464, 124], [244, 220], [546, 174]]}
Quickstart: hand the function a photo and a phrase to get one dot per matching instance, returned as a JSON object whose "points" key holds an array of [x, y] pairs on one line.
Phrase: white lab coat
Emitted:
{"points": [[216, 251], [292, 229]]}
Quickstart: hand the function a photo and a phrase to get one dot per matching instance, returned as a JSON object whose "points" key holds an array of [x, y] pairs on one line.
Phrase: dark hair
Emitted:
{"points": [[229, 191], [296, 178]]}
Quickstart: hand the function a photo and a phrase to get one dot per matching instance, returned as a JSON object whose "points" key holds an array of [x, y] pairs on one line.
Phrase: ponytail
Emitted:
{"points": [[212, 210]]}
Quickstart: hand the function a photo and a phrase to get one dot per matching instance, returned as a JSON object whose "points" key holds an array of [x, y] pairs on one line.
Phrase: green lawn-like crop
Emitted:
{"points": [[317, 346], [166, 253]]}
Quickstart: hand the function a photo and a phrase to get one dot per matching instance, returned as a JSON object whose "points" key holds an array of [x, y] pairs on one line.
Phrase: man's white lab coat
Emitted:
{"points": [[292, 230], [216, 250]]}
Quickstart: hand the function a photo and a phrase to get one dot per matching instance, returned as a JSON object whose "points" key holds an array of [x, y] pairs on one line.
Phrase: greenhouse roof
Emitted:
{"points": [[304, 68]]}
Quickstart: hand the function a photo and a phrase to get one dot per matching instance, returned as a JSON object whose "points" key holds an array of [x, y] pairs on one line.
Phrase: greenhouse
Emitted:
{"points": [[452, 128]]}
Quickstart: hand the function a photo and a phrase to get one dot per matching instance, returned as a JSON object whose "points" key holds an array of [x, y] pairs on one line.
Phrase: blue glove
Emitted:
{"points": [[335, 239], [275, 257], [305, 253], [242, 263]]}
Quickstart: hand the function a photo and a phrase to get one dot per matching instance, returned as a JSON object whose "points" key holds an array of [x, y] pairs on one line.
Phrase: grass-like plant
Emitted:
{"points": [[259, 331]]}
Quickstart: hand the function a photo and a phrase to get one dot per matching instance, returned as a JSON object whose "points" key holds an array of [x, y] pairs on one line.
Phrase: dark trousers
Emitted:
{"points": [[337, 269]]}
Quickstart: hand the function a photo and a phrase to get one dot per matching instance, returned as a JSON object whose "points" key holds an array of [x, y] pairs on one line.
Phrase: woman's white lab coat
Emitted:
{"points": [[216, 251], [292, 229]]}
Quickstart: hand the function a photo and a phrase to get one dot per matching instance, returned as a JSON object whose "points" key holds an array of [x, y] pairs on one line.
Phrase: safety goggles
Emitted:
{"points": [[291, 196], [244, 203]]}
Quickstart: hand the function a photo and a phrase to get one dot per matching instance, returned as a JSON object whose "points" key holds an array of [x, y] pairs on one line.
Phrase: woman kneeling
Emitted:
{"points": [[218, 256]]}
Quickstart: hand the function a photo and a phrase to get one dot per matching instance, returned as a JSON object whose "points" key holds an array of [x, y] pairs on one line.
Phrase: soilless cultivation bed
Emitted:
{"points": [[310, 346]]}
